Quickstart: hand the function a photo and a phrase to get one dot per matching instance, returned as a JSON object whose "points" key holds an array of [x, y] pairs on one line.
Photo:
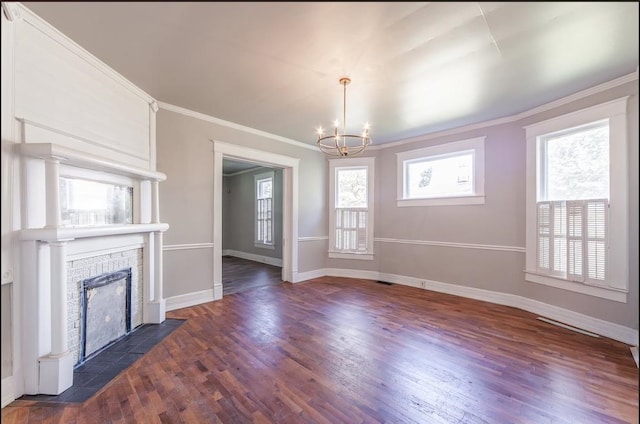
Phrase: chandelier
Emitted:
{"points": [[342, 143]]}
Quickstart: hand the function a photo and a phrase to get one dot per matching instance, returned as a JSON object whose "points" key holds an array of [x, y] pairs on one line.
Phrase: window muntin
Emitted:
{"points": [[87, 203], [351, 220], [446, 174], [264, 210]]}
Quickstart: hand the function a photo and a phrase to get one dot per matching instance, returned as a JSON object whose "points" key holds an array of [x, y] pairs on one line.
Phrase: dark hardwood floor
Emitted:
{"points": [[335, 350], [241, 274]]}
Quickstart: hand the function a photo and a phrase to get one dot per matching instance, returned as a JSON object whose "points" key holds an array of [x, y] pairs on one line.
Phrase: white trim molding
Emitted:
{"points": [[450, 244], [252, 257], [313, 238], [68, 156], [189, 299], [233, 125], [188, 246], [8, 387], [290, 214]]}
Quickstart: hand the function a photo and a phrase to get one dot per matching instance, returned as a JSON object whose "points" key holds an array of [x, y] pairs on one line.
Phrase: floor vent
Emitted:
{"points": [[384, 282], [559, 324]]}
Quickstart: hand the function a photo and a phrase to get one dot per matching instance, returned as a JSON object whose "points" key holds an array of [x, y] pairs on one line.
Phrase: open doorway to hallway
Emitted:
{"points": [[252, 206]]}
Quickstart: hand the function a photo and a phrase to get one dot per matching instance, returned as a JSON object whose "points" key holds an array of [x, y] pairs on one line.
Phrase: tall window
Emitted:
{"points": [[351, 220], [573, 240], [264, 210], [447, 174]]}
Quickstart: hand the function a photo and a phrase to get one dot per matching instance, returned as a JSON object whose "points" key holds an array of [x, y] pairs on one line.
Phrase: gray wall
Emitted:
{"points": [[500, 221], [185, 155], [238, 213]]}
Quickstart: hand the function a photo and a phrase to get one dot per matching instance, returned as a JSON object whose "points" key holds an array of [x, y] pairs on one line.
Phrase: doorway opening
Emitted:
{"points": [[289, 168], [252, 203]]}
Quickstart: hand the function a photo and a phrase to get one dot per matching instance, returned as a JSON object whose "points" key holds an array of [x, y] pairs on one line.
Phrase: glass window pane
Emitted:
{"points": [[577, 164], [443, 176], [351, 188], [84, 202]]}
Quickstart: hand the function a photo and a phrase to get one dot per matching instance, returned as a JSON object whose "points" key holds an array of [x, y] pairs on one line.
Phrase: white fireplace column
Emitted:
{"points": [[56, 369], [155, 310], [52, 185]]}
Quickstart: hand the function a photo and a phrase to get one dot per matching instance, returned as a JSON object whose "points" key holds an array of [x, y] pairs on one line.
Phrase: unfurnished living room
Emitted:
{"points": [[319, 212]]}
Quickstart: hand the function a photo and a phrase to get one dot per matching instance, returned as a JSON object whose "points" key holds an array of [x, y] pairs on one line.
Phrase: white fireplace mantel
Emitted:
{"points": [[47, 246]]}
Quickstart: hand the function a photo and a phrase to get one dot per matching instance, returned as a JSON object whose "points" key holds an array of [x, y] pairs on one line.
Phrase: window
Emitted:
{"points": [[448, 174], [351, 197], [85, 202], [577, 201], [264, 210]]}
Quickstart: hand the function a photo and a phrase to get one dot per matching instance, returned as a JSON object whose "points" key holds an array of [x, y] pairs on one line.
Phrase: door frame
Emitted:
{"points": [[289, 165]]}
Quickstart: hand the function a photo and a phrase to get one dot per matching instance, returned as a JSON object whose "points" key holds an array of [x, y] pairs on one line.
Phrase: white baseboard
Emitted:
{"points": [[634, 353], [8, 391], [189, 299], [252, 257], [308, 275]]}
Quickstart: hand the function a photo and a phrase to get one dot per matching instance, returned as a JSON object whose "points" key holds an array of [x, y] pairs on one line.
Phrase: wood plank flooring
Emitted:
{"points": [[336, 350], [241, 274]]}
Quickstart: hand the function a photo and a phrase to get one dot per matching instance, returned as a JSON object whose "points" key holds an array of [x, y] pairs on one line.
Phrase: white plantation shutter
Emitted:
{"points": [[575, 228], [351, 230], [596, 239], [572, 239]]}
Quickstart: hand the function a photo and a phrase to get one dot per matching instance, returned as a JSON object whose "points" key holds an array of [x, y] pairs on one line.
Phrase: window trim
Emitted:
{"points": [[617, 284], [334, 165], [476, 145], [256, 179]]}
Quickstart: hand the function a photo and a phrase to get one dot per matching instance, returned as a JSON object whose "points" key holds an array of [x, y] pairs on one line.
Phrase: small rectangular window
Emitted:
{"points": [[447, 174]]}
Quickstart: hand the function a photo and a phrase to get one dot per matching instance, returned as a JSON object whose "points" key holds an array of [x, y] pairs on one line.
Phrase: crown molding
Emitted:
{"points": [[633, 76], [233, 125], [11, 11]]}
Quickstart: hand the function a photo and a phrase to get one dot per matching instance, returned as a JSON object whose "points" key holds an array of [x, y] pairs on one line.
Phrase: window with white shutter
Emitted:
{"points": [[567, 229], [351, 194], [577, 207]]}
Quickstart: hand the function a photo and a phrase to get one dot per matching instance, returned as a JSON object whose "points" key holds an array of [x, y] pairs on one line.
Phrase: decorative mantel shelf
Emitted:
{"points": [[71, 233], [50, 151]]}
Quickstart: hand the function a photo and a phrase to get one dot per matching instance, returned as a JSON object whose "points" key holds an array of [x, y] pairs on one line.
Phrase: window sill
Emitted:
{"points": [[343, 255], [602, 292], [265, 246], [443, 201]]}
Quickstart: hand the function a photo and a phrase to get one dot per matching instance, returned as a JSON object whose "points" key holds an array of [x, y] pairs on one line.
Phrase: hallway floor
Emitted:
{"points": [[241, 274]]}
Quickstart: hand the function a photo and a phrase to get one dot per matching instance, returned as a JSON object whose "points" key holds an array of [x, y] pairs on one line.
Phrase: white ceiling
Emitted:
{"points": [[416, 68]]}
